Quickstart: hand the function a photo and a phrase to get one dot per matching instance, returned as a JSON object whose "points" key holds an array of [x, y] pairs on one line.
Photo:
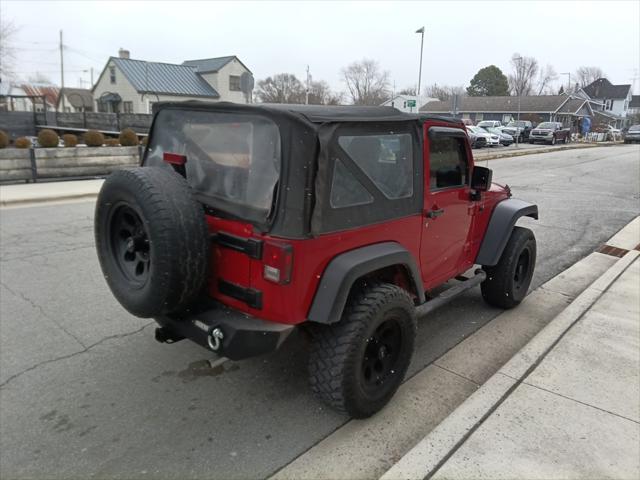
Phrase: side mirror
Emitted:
{"points": [[481, 178]]}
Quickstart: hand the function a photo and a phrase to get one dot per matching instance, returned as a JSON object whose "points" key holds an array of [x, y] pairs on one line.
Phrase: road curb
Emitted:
{"points": [[424, 459], [509, 154]]}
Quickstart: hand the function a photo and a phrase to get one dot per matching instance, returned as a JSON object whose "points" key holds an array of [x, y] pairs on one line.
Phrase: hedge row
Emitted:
{"points": [[92, 138]]}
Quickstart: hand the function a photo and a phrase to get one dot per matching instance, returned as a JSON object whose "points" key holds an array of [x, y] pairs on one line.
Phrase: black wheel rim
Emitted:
{"points": [[130, 245], [381, 356], [521, 273]]}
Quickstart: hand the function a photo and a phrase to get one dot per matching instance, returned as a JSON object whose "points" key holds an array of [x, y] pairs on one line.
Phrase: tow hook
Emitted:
{"points": [[215, 338]]}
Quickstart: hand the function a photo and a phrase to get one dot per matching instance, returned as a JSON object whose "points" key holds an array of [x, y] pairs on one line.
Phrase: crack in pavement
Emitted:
{"points": [[71, 355], [45, 254], [31, 302]]}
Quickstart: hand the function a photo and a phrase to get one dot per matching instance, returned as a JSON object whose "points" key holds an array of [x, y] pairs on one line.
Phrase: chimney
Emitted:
{"points": [[122, 53]]}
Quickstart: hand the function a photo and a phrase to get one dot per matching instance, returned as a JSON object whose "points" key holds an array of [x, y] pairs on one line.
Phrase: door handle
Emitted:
{"points": [[435, 213]]}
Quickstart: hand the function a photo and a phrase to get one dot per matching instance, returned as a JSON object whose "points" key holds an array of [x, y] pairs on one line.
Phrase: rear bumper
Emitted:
{"points": [[227, 332]]}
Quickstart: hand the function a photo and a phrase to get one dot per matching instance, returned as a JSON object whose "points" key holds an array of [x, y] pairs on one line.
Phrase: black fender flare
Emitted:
{"points": [[504, 217], [340, 274]]}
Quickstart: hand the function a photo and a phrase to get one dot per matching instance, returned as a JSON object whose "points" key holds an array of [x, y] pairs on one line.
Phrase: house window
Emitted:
{"points": [[112, 74], [607, 104], [127, 107], [234, 83], [479, 117]]}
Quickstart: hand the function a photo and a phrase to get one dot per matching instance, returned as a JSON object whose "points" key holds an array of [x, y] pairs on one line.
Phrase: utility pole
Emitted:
{"points": [[61, 71], [306, 99]]}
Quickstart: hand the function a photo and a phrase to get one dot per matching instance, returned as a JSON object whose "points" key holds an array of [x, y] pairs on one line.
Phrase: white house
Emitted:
{"points": [[407, 103], [133, 86], [614, 99]]}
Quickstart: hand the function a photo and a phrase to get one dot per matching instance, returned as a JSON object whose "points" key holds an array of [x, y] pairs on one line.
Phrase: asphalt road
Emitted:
{"points": [[85, 391]]}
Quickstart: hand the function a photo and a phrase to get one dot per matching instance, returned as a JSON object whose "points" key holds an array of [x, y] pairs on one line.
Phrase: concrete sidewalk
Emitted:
{"points": [[28, 193], [566, 406]]}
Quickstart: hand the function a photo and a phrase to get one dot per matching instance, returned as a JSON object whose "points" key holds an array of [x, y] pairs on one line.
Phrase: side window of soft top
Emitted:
{"points": [[447, 162]]}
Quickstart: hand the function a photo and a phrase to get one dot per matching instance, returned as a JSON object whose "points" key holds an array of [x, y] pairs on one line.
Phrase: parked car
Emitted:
{"points": [[632, 135], [476, 140], [551, 133], [519, 128], [505, 138], [467, 121], [224, 238], [493, 139], [489, 123]]}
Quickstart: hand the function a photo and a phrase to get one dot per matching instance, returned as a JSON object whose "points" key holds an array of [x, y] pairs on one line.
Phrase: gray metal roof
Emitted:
{"points": [[164, 78], [211, 64], [539, 103], [635, 101], [603, 88]]}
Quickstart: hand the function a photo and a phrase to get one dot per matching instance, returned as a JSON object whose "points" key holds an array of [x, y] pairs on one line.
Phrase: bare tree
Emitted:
{"points": [[8, 32], [525, 69], [408, 91], [366, 83], [281, 88], [444, 92], [321, 94], [587, 75], [547, 76]]}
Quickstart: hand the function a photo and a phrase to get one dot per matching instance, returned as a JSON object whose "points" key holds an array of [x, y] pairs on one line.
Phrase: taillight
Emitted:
{"points": [[174, 158], [278, 262]]}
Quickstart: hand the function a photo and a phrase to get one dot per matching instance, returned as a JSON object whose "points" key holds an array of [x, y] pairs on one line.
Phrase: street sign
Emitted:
{"points": [[411, 103]]}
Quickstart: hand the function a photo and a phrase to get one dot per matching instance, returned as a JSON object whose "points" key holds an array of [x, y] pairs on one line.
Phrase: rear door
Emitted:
{"points": [[448, 209]]}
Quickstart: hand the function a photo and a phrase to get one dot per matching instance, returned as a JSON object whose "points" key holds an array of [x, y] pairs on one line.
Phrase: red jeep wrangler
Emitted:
{"points": [[246, 221]]}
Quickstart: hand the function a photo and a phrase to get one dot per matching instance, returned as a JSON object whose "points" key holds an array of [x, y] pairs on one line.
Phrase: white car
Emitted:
{"points": [[489, 124], [492, 138]]}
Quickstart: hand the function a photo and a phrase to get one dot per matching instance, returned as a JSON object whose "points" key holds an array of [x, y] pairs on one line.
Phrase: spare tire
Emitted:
{"points": [[152, 240]]}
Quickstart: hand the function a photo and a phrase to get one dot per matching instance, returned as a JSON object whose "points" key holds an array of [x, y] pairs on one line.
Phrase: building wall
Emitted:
{"points": [[220, 81], [620, 106], [122, 87]]}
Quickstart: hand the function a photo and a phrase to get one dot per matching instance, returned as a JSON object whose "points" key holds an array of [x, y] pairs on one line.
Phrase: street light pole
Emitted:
{"points": [[518, 73], [421, 32]]}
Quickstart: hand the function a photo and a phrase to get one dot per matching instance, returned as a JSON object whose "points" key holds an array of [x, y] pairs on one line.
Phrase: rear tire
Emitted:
{"points": [[507, 282], [152, 240], [357, 364]]}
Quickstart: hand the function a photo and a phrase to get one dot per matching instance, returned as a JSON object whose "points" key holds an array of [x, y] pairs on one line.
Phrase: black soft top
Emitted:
{"points": [[309, 151], [316, 114]]}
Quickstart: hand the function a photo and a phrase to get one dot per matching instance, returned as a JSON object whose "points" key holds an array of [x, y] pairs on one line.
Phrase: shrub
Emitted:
{"points": [[93, 138], [48, 138], [112, 142], [128, 138], [69, 140], [22, 142], [4, 140]]}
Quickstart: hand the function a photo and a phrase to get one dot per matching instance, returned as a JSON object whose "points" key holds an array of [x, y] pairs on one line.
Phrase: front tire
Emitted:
{"points": [[357, 364], [508, 281]]}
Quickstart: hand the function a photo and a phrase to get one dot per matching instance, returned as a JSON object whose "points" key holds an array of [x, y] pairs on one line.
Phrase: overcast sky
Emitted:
{"points": [[272, 37]]}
